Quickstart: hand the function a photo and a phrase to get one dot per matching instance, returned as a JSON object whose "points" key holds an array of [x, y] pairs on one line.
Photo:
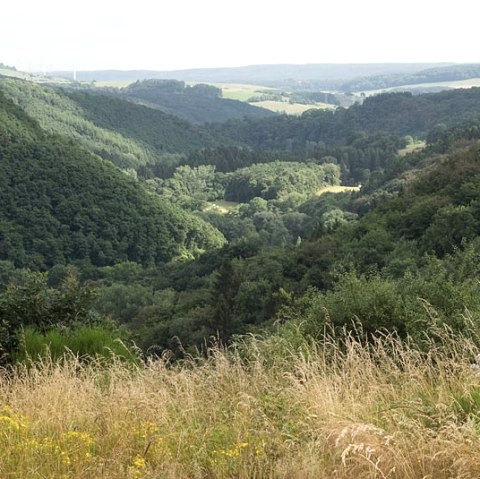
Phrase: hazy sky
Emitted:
{"points": [[166, 35]]}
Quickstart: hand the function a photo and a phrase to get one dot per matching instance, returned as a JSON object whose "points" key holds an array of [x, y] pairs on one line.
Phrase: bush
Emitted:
{"points": [[84, 341]]}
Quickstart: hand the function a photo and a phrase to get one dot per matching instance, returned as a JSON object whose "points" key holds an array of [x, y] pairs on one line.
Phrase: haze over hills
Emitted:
{"points": [[326, 74]]}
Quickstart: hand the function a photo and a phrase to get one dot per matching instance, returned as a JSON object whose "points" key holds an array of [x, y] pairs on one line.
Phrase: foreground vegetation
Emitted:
{"points": [[263, 408]]}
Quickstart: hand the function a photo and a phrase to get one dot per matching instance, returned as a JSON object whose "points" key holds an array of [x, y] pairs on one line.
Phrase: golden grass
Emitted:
{"points": [[222, 207], [337, 189], [264, 410], [291, 108], [242, 91], [418, 145], [113, 83]]}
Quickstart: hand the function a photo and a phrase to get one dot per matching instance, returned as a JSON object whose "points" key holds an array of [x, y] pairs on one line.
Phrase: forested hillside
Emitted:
{"points": [[429, 75], [198, 104], [61, 204], [129, 135], [411, 233], [280, 237], [393, 113]]}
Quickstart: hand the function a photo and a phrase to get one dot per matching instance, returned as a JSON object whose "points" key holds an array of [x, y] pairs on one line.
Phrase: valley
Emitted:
{"points": [[192, 286]]}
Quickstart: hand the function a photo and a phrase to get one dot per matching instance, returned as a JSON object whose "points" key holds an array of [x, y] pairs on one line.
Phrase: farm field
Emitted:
{"points": [[291, 108], [16, 74], [242, 91], [112, 84], [470, 83]]}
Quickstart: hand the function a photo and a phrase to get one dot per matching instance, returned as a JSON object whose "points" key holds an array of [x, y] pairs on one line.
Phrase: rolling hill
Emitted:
{"points": [[129, 135], [391, 113], [198, 104], [62, 204], [274, 75]]}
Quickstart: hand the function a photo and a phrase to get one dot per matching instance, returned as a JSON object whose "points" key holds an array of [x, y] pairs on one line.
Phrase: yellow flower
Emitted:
{"points": [[82, 436], [65, 459], [139, 462]]}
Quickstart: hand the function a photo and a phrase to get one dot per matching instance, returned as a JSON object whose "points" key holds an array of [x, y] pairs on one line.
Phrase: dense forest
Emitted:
{"points": [[189, 232], [198, 103], [61, 204], [399, 114]]}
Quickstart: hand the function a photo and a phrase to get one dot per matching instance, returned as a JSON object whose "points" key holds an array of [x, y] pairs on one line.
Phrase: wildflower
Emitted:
{"points": [[139, 462], [138, 469]]}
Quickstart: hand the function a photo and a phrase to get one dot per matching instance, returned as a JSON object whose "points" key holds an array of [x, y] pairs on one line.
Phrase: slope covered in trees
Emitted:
{"points": [[402, 254], [356, 250], [129, 135], [198, 103], [148, 126], [430, 75], [62, 204], [393, 113]]}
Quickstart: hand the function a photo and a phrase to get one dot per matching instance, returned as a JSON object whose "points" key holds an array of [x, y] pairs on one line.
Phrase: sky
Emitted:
{"points": [[180, 34]]}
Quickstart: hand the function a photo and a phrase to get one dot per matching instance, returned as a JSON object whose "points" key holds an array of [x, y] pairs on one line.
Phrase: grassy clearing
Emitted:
{"points": [[242, 91], [418, 145], [264, 410], [336, 189], [291, 108], [223, 207], [112, 84], [15, 74]]}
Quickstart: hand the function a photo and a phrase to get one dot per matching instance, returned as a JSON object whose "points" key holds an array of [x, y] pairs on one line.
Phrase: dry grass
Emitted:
{"points": [[291, 108], [222, 207], [418, 145], [242, 91], [265, 410], [337, 189]]}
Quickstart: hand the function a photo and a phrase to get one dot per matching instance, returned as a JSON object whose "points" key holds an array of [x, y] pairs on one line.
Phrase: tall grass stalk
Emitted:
{"points": [[264, 409]]}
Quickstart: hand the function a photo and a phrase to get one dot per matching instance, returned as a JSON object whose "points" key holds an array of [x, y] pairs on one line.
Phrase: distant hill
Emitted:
{"points": [[198, 103], [127, 134], [62, 204], [147, 125], [327, 74], [391, 113], [430, 75]]}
